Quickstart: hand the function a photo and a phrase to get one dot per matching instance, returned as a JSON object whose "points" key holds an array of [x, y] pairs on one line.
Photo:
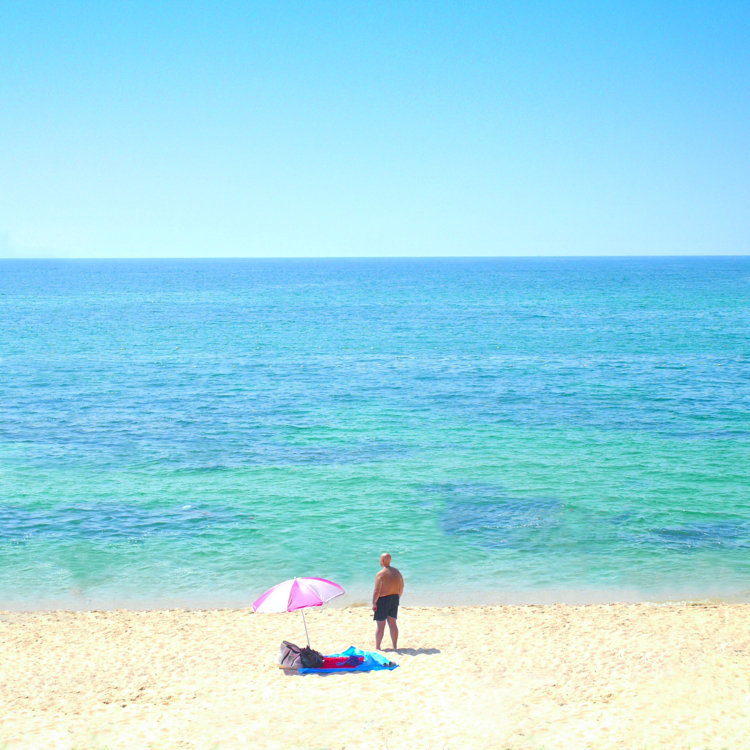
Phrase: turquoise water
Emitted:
{"points": [[191, 432]]}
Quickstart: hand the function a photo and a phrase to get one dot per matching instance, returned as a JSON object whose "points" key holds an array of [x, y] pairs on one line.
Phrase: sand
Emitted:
{"points": [[623, 675]]}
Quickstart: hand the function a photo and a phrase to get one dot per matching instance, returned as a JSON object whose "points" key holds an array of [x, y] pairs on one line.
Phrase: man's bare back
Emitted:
{"points": [[391, 581]]}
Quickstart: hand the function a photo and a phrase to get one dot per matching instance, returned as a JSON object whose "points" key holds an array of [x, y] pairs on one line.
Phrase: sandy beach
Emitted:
{"points": [[633, 675]]}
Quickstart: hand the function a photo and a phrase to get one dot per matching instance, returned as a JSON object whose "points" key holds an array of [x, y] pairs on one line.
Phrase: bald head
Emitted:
{"points": [[385, 559]]}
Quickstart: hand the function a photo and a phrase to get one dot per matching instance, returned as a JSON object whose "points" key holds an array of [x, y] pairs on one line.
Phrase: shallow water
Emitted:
{"points": [[516, 430]]}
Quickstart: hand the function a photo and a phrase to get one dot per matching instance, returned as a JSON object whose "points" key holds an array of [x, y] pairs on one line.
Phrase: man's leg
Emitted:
{"points": [[379, 630], [393, 627]]}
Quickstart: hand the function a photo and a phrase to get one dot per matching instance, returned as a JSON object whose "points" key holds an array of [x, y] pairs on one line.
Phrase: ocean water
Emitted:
{"points": [[192, 432]]}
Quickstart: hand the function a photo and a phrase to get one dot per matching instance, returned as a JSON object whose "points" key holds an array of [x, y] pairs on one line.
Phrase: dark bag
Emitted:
{"points": [[310, 658]]}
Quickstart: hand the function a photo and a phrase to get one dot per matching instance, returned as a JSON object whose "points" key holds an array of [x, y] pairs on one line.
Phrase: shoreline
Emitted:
{"points": [[421, 599], [511, 676]]}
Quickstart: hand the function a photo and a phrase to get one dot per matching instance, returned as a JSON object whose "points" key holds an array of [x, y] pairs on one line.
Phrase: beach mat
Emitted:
{"points": [[366, 661]]}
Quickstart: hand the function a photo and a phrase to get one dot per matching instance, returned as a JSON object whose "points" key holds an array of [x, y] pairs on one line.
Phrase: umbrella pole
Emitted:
{"points": [[305, 624]]}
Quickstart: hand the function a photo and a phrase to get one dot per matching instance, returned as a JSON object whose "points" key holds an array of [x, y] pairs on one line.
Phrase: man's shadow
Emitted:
{"points": [[414, 651]]}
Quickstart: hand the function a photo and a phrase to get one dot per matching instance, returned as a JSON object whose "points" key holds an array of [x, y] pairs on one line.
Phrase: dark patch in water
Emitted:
{"points": [[116, 522], [727, 534], [490, 516], [623, 518]]}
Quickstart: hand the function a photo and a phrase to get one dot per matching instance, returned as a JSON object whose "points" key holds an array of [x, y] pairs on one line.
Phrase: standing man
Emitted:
{"points": [[389, 585]]}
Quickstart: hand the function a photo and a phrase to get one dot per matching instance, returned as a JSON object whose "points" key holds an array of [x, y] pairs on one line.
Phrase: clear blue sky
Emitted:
{"points": [[366, 129]]}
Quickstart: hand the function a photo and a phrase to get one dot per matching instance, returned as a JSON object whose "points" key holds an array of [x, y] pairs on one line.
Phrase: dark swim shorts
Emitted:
{"points": [[387, 606]]}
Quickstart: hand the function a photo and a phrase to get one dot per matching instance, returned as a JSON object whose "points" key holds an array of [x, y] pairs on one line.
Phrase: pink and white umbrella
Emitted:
{"points": [[297, 593]]}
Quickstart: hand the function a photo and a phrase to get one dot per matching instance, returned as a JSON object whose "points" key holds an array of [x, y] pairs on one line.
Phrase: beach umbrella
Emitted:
{"points": [[297, 593]]}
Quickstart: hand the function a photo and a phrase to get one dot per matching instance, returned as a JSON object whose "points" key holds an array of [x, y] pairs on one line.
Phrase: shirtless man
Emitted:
{"points": [[389, 585]]}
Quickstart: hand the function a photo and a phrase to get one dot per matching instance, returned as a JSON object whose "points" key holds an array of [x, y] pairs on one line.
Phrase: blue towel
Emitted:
{"points": [[372, 661]]}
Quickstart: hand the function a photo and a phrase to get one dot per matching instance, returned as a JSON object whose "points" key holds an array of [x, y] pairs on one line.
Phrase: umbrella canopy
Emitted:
{"points": [[297, 593]]}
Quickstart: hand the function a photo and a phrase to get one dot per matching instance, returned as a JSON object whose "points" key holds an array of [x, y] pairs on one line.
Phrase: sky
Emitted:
{"points": [[332, 129]]}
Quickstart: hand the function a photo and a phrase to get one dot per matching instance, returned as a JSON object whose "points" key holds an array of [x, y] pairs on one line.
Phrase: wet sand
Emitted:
{"points": [[599, 676]]}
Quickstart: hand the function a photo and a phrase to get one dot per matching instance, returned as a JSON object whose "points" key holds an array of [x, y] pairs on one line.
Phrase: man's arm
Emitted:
{"points": [[378, 587]]}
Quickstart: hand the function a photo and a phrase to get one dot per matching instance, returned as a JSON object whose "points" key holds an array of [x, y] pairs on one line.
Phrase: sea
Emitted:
{"points": [[191, 432]]}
